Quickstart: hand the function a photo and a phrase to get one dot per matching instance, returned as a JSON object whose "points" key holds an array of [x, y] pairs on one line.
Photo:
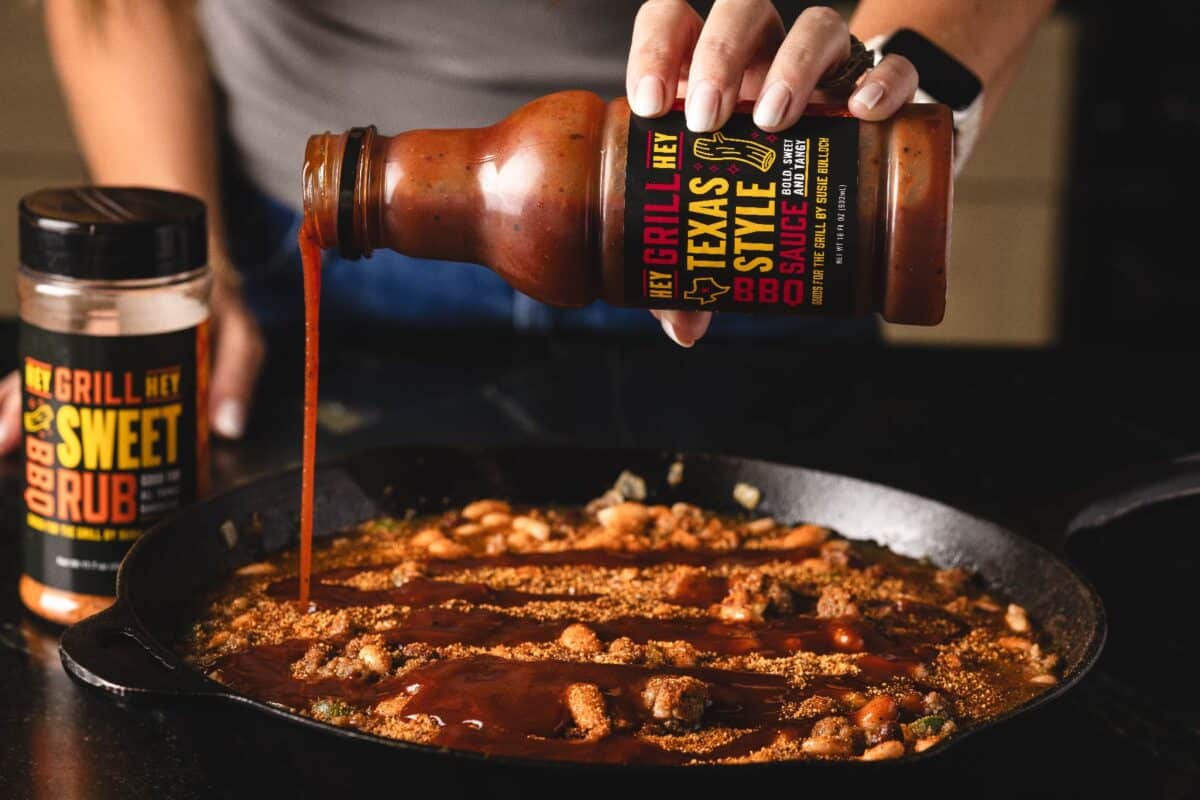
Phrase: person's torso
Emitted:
{"points": [[289, 68]]}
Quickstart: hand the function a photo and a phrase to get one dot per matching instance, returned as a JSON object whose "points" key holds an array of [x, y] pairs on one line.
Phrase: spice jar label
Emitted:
{"points": [[741, 219], [115, 437]]}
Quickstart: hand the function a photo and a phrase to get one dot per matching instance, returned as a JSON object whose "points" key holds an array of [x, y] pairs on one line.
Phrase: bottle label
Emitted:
{"points": [[115, 437], [741, 219]]}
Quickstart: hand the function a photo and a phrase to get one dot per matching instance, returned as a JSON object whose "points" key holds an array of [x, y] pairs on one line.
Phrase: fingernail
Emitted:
{"points": [[669, 329], [702, 105], [3, 432], [868, 95], [229, 420], [648, 96], [771, 105]]}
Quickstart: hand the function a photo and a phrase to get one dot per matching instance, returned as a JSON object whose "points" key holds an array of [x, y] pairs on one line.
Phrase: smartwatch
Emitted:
{"points": [[943, 79]]}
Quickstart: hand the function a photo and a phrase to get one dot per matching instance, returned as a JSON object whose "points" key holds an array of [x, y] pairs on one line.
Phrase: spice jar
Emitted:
{"points": [[571, 199], [113, 289]]}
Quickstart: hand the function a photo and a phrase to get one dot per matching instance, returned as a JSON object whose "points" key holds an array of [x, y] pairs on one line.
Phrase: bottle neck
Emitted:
{"points": [[343, 190], [418, 192]]}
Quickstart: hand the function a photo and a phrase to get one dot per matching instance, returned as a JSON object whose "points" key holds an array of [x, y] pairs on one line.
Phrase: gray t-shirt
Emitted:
{"points": [[290, 68]]}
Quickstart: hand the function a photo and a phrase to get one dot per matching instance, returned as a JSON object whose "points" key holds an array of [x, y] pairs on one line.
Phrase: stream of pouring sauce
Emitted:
{"points": [[310, 255]]}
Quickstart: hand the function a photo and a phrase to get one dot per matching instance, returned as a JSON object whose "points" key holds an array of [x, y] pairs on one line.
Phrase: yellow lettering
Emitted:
{"points": [[69, 449], [748, 228], [37, 377], [150, 437], [699, 247], [171, 415], [755, 190], [127, 438], [714, 207], [760, 263], [97, 426], [666, 151], [766, 210], [714, 229], [710, 185]]}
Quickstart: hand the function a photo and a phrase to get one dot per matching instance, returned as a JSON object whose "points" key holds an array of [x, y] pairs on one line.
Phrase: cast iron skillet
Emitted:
{"points": [[125, 650]]}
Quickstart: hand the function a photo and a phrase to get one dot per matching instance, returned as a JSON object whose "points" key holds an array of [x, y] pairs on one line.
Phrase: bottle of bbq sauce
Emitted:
{"points": [[571, 199]]}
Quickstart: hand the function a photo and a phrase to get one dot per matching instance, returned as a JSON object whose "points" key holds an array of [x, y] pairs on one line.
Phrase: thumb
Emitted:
{"points": [[684, 328], [10, 412], [238, 359]]}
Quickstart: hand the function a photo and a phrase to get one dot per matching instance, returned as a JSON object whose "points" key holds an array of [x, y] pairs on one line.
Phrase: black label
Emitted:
{"points": [[741, 219], [115, 436]]}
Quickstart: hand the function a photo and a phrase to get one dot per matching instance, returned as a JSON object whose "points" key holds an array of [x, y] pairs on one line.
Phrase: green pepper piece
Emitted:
{"points": [[927, 726]]}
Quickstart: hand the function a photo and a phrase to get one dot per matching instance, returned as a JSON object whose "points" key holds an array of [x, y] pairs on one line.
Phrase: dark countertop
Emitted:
{"points": [[1020, 437]]}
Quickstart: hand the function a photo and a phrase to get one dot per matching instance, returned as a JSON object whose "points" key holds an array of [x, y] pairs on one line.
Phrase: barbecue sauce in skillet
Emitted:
{"points": [[512, 707], [477, 656]]}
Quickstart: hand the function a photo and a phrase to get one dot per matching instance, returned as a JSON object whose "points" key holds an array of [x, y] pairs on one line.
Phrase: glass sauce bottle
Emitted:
{"points": [[571, 199]]}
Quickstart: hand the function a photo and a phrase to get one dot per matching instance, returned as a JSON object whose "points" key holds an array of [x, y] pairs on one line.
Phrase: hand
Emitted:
{"points": [[10, 412], [238, 358], [743, 52]]}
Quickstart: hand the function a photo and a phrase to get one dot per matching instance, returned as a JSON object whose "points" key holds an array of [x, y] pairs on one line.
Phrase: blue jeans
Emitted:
{"points": [[393, 288]]}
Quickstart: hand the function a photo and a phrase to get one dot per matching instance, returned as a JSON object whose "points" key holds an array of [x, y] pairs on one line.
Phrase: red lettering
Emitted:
{"points": [[666, 187], [668, 237], [110, 398], [660, 233], [95, 498], [39, 502], [68, 496], [124, 498], [131, 396], [659, 257], [768, 291], [743, 290], [39, 452], [39, 477], [62, 384], [788, 210], [793, 292], [83, 388], [793, 238]]}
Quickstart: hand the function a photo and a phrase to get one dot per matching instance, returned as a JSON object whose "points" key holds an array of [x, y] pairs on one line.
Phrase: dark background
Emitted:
{"points": [[1131, 251]]}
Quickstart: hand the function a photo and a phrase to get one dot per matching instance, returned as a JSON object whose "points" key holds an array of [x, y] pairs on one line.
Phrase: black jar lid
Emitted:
{"points": [[112, 232]]}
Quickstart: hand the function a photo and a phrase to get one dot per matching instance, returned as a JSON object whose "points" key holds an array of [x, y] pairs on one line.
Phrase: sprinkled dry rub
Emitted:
{"points": [[624, 632]]}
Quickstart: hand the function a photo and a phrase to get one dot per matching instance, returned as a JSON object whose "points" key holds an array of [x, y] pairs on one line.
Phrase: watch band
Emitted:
{"points": [[967, 112]]}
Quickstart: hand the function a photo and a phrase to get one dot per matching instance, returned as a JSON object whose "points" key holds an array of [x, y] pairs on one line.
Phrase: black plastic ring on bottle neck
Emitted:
{"points": [[345, 207]]}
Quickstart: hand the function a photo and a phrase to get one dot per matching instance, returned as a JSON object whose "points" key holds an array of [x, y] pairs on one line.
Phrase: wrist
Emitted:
{"points": [[941, 79], [225, 274]]}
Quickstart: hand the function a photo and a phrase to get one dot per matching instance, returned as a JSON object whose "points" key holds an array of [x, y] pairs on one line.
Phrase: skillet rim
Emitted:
{"points": [[209, 688]]}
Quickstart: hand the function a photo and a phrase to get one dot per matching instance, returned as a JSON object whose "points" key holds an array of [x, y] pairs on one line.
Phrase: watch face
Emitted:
{"points": [[943, 77]]}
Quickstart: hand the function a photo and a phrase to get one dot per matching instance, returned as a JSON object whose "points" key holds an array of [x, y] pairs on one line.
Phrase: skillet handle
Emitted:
{"points": [[1139, 489], [107, 651]]}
